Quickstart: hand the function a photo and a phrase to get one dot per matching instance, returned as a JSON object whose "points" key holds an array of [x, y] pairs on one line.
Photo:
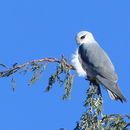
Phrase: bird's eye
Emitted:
{"points": [[82, 37]]}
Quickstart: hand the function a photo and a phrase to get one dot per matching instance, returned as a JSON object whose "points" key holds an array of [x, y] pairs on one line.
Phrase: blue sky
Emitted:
{"points": [[46, 28]]}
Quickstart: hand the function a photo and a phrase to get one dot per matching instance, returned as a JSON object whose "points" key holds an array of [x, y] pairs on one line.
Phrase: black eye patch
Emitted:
{"points": [[82, 37]]}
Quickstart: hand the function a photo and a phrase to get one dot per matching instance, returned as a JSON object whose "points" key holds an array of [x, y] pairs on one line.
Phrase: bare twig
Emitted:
{"points": [[36, 61]]}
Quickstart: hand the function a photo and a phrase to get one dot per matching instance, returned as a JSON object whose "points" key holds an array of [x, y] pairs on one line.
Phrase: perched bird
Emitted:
{"points": [[93, 62]]}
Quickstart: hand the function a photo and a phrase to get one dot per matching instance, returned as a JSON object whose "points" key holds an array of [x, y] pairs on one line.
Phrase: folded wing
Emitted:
{"points": [[96, 62]]}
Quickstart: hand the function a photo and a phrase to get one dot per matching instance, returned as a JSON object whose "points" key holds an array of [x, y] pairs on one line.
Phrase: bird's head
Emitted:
{"points": [[84, 37]]}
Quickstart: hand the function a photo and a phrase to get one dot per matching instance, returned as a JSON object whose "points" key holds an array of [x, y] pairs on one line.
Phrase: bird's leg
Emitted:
{"points": [[99, 90]]}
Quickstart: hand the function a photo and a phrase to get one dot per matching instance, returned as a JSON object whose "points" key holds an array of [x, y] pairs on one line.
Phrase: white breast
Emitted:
{"points": [[76, 63]]}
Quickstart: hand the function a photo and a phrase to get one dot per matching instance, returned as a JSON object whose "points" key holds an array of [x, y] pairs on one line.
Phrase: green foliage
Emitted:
{"points": [[93, 104], [93, 119], [62, 69], [37, 71]]}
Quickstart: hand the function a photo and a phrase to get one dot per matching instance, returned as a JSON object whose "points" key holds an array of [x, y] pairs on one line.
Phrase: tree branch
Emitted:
{"points": [[16, 67]]}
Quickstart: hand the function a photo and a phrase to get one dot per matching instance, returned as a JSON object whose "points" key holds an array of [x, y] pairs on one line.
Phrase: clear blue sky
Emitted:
{"points": [[46, 28]]}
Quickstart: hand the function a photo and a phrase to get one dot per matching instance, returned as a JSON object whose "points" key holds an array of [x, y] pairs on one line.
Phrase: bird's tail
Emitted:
{"points": [[113, 96], [112, 88]]}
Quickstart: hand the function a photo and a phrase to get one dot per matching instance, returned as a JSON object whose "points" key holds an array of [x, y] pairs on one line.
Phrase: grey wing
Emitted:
{"points": [[94, 58]]}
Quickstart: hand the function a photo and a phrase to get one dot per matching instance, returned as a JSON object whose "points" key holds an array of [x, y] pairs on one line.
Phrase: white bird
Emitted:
{"points": [[92, 62]]}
